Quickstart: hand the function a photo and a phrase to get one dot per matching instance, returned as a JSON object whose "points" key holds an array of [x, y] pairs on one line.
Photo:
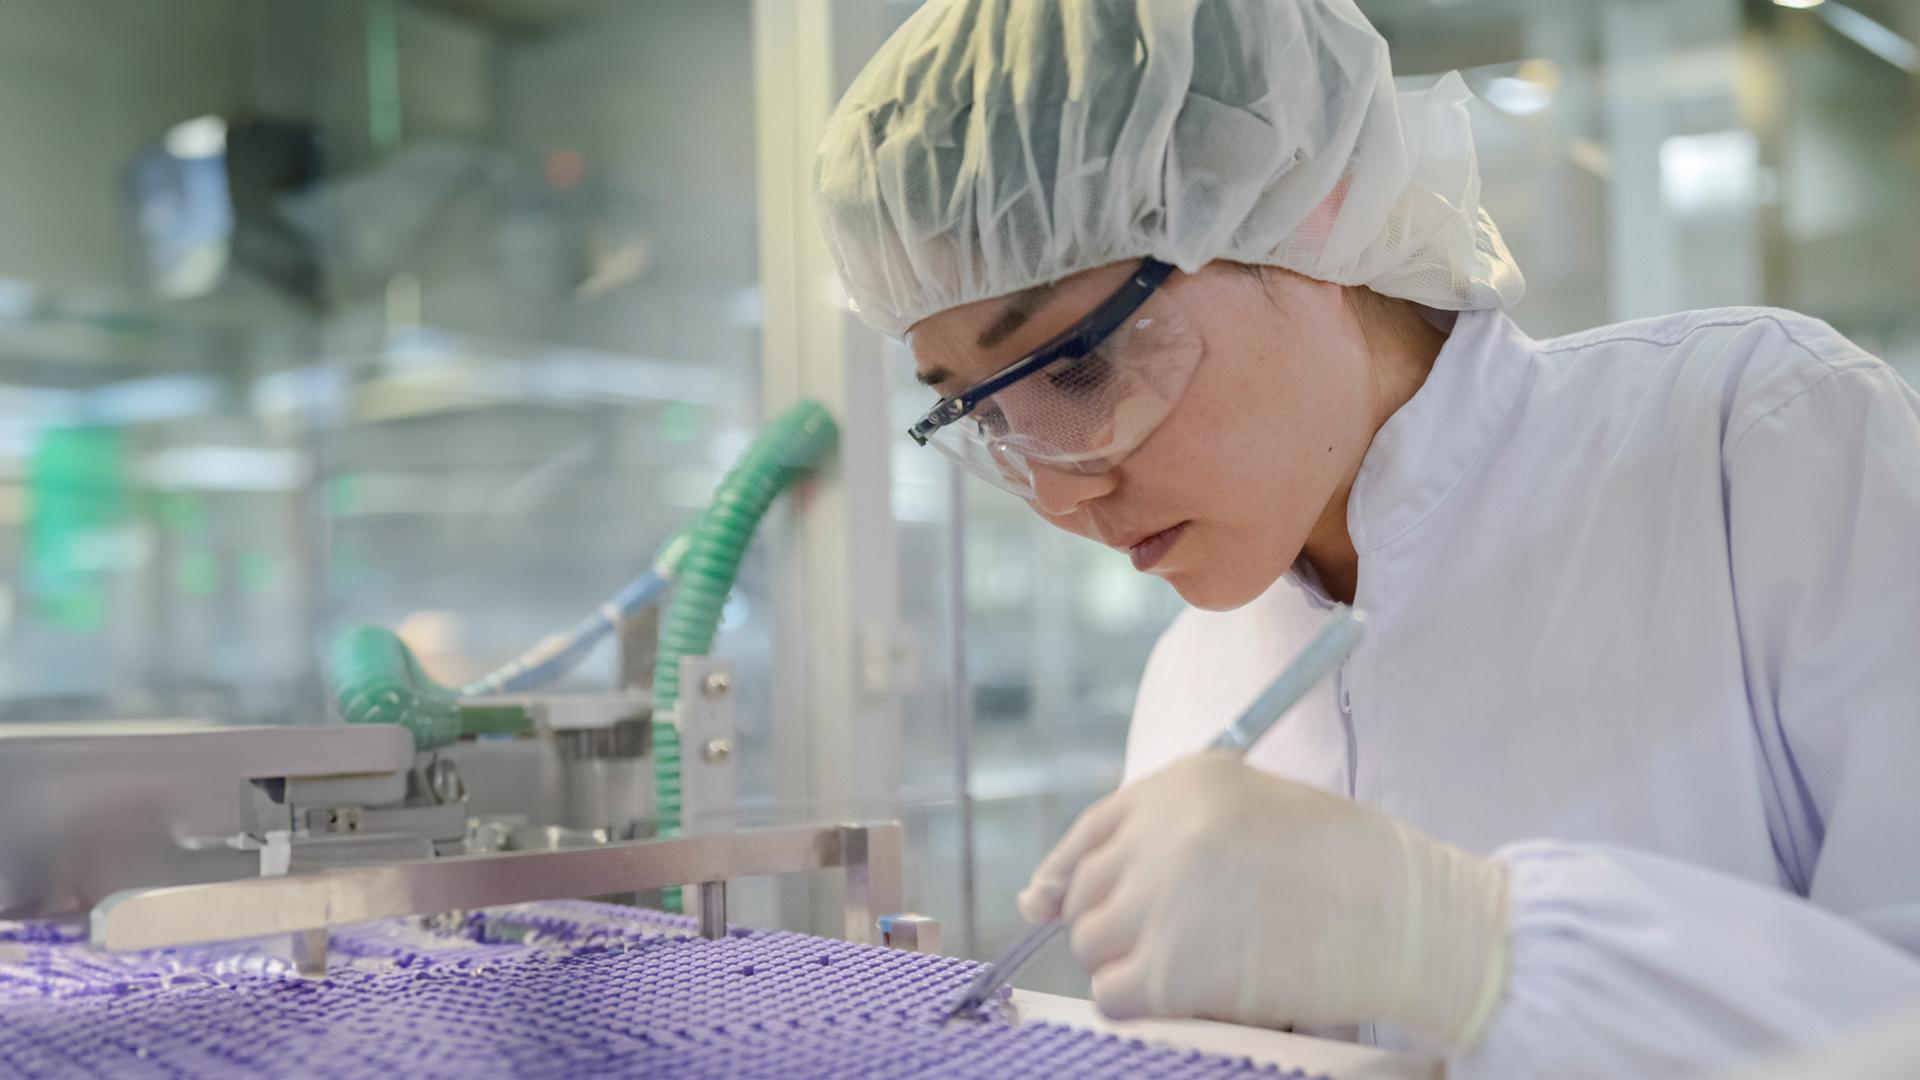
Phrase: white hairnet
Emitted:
{"points": [[992, 145]]}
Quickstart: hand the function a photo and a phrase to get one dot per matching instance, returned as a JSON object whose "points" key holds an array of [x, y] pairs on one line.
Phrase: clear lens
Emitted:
{"points": [[977, 455], [1080, 414]]}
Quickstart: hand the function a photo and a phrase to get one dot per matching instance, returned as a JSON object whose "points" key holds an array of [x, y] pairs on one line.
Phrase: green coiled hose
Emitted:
{"points": [[375, 680], [791, 445]]}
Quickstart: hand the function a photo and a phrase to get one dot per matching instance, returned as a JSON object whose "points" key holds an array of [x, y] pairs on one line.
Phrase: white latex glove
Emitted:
{"points": [[1214, 890]]}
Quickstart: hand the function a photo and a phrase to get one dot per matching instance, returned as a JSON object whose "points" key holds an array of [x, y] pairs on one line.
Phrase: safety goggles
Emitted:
{"points": [[1105, 385]]}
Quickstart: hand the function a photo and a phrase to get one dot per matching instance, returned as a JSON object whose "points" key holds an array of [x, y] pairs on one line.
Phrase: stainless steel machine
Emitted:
{"points": [[156, 826], [87, 809]]}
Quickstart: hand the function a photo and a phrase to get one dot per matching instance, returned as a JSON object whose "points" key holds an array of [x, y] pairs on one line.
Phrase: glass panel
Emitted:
{"points": [[438, 316], [1648, 158]]}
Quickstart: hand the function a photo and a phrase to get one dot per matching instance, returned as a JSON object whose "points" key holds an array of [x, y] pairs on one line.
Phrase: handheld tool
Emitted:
{"points": [[1330, 646]]}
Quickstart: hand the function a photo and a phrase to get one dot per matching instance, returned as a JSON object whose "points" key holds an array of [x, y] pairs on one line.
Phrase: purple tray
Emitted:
{"points": [[556, 989]]}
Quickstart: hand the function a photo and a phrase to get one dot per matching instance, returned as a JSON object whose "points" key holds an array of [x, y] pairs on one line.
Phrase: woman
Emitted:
{"points": [[1619, 781]]}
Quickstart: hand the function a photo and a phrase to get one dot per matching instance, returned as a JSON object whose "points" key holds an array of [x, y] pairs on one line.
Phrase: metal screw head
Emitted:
{"points": [[716, 751], [443, 778], [718, 684]]}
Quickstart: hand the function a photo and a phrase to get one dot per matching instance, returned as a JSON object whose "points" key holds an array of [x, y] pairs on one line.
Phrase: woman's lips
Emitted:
{"points": [[1147, 553]]}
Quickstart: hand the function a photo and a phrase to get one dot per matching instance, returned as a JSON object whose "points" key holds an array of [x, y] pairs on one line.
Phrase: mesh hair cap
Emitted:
{"points": [[993, 145]]}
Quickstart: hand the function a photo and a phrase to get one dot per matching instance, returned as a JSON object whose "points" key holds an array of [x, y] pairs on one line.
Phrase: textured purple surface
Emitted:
{"points": [[562, 989]]}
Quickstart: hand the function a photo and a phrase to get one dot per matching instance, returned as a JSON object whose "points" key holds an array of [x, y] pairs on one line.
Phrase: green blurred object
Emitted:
{"points": [[376, 680], [77, 491], [179, 511], [502, 719], [681, 422], [343, 496], [258, 569], [197, 573], [384, 110]]}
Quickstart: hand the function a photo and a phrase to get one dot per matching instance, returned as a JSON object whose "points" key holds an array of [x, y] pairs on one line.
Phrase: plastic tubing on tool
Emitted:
{"points": [[788, 447]]}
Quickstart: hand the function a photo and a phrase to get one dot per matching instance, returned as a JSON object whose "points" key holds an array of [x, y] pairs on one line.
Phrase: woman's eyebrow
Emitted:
{"points": [[1018, 309]]}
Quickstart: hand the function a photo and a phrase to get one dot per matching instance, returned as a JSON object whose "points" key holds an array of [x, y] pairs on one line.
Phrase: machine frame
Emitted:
{"points": [[306, 905]]}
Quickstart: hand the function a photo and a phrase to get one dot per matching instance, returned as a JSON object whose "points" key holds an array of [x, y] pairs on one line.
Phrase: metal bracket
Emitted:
{"points": [[307, 904], [308, 948], [713, 910], [707, 718], [875, 878], [577, 712], [310, 953], [639, 641], [914, 933]]}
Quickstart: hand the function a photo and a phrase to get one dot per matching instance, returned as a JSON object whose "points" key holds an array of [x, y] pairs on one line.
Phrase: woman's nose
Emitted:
{"points": [[1059, 492]]}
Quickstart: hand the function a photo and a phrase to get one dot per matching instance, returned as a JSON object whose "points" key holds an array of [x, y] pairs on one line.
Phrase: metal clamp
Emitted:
{"points": [[708, 720], [307, 904]]}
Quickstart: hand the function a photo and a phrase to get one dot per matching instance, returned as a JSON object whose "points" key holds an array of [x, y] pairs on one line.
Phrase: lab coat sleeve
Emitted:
{"points": [[1624, 963], [1630, 964]]}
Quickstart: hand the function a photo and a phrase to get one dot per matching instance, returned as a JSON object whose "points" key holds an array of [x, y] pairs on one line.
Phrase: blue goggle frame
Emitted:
{"points": [[1078, 340]]}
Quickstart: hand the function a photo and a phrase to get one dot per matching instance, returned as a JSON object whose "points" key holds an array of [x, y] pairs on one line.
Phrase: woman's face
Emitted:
{"points": [[1255, 460]]}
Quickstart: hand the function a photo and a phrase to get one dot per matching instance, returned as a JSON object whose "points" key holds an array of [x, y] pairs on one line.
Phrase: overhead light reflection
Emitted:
{"points": [[197, 139], [1528, 90], [1715, 171], [151, 400], [1518, 97], [225, 468], [319, 391]]}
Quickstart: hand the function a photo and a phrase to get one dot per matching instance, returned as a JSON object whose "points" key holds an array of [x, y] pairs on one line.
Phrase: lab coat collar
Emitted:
{"points": [[1420, 454], [1423, 450], [1307, 580]]}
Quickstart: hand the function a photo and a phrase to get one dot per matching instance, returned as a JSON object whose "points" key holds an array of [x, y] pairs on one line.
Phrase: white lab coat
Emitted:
{"points": [[1644, 621]]}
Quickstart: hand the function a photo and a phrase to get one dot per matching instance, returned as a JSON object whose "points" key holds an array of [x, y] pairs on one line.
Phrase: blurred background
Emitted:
{"points": [[443, 314]]}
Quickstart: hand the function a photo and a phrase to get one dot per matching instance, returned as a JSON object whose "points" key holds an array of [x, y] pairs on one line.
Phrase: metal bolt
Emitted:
{"points": [[716, 750], [718, 684], [443, 778]]}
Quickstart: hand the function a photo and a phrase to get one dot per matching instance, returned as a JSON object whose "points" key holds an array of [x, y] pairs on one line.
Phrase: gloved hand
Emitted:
{"points": [[1214, 890]]}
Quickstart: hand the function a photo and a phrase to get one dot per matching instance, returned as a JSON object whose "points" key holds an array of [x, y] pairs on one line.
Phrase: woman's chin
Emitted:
{"points": [[1216, 588]]}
